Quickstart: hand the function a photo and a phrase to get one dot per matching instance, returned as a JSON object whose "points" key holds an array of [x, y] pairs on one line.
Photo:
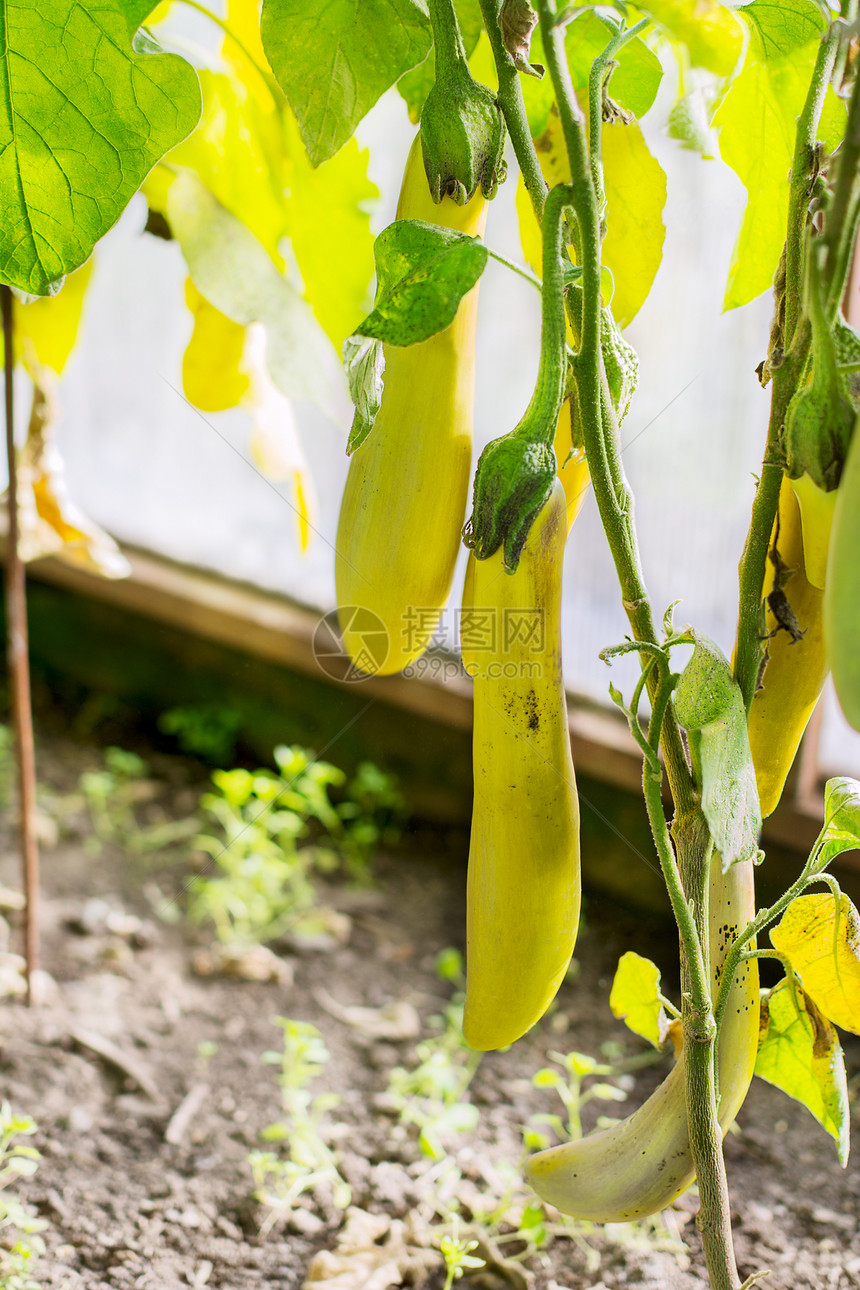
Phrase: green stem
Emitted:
{"points": [[447, 39], [841, 220], [600, 426], [600, 69], [541, 416], [798, 198], [530, 277], [513, 107]]}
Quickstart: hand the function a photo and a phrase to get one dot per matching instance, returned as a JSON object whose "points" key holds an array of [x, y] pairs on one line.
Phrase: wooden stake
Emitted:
{"points": [[17, 652]]}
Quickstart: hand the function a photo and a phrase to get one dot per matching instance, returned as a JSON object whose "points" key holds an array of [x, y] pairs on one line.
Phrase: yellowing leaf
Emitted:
{"points": [[329, 225], [711, 32], [635, 232], [275, 444], [46, 329], [635, 197], [238, 152], [635, 998], [211, 375], [799, 1052], [820, 937], [50, 523]]}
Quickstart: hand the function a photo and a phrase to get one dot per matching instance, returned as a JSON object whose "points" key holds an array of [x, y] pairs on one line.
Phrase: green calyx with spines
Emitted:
{"points": [[516, 472], [512, 483], [620, 362], [462, 127], [819, 421]]}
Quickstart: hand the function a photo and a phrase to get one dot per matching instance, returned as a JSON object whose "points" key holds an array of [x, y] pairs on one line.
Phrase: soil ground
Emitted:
{"points": [[135, 1195]]}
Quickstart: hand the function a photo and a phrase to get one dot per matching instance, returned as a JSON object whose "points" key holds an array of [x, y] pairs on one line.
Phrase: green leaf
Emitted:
{"points": [[635, 998], [84, 116], [233, 270], [709, 704], [417, 84], [364, 362], [634, 83], [423, 273], [841, 820], [820, 937], [799, 1052], [757, 122], [710, 31], [334, 61]]}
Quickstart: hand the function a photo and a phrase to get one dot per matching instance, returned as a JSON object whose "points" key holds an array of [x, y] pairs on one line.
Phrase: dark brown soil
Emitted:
{"points": [[126, 1207]]}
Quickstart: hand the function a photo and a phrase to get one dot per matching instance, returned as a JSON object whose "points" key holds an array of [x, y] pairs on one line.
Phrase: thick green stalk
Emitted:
{"points": [[841, 220], [801, 167], [514, 110], [602, 438], [447, 40], [600, 69], [544, 407]]}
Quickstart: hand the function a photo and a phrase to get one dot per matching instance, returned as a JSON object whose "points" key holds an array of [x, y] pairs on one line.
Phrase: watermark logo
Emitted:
{"points": [[368, 639]]}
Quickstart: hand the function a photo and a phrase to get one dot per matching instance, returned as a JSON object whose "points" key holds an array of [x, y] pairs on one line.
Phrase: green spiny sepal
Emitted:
{"points": [[462, 138], [620, 362], [513, 481], [818, 428]]}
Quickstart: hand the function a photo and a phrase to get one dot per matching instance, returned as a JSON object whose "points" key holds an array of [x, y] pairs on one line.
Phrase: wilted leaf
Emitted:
{"points": [[232, 269], [334, 61], [423, 273], [364, 361], [709, 704], [799, 1052], [275, 444], [211, 365], [820, 937], [46, 329], [635, 998], [84, 115], [50, 523]]}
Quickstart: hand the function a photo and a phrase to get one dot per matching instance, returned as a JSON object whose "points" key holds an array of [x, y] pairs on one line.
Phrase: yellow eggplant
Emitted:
{"points": [[405, 497], [523, 884], [640, 1165], [796, 667]]}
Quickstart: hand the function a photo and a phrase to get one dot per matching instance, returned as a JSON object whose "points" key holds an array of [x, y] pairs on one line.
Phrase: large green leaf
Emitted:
{"points": [[417, 84], [423, 273], [820, 937], [233, 270], [757, 122], [333, 61], [709, 704], [84, 116], [799, 1052]]}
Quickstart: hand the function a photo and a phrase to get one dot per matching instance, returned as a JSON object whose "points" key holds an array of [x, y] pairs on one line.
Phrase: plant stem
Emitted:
{"points": [[798, 197], [786, 375], [600, 69], [448, 42], [541, 416], [516, 268], [602, 439], [511, 102], [17, 650], [840, 223]]}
